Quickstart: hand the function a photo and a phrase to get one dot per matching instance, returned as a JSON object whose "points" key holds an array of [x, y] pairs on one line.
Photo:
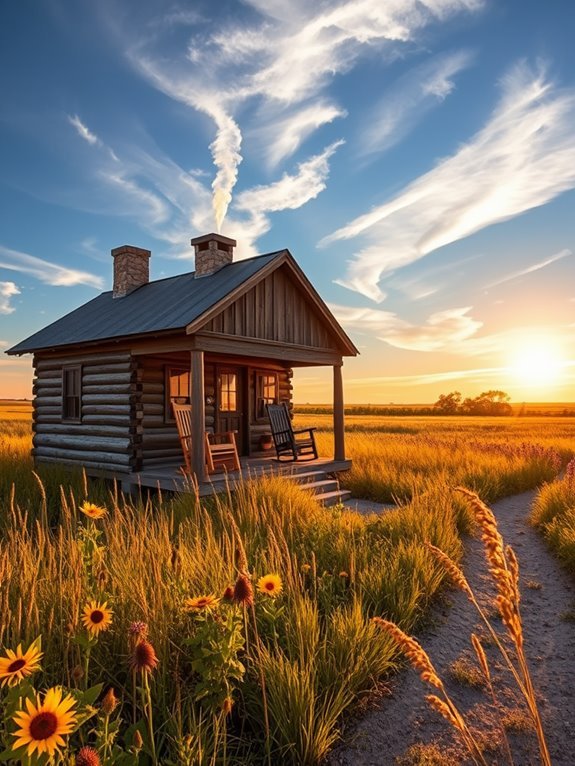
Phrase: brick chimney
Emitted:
{"points": [[212, 251], [131, 269]]}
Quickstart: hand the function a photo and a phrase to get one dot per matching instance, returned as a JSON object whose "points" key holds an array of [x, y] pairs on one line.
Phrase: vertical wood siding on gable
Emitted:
{"points": [[274, 309]]}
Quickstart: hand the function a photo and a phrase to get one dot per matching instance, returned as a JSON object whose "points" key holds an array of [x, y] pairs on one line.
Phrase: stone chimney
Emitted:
{"points": [[131, 269], [212, 251]]}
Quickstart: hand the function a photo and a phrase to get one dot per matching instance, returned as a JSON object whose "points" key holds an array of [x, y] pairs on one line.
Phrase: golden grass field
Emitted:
{"points": [[241, 682]]}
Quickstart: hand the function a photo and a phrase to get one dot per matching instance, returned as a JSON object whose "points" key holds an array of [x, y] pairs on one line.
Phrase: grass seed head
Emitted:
{"points": [[414, 652], [443, 709], [454, 572]]}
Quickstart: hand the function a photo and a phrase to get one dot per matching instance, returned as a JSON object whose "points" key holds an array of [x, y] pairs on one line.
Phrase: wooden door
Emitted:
{"points": [[230, 403]]}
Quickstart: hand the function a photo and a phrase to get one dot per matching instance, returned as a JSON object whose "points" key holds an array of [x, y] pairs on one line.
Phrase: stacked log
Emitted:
{"points": [[105, 438]]}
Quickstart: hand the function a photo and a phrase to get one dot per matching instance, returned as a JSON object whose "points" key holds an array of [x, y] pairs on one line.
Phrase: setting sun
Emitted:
{"points": [[538, 362]]}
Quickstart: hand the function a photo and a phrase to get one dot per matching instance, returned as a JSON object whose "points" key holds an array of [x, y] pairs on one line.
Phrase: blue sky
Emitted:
{"points": [[417, 158]]}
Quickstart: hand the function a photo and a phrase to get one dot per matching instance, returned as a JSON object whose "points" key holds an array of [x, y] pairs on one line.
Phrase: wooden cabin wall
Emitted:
{"points": [[260, 428], [160, 442], [106, 439], [274, 309]]}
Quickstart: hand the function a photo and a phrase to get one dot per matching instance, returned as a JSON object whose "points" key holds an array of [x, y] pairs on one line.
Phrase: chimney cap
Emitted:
{"points": [[131, 250], [216, 237]]}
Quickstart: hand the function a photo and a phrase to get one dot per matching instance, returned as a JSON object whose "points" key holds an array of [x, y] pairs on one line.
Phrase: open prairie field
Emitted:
{"points": [[238, 630], [395, 458]]}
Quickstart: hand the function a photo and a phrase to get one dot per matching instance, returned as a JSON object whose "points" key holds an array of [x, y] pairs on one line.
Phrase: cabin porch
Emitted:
{"points": [[170, 476]]}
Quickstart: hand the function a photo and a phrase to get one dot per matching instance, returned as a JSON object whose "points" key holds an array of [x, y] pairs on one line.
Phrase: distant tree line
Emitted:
{"points": [[488, 403]]}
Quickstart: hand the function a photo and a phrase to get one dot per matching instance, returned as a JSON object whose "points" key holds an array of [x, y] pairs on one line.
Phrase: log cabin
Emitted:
{"points": [[224, 338]]}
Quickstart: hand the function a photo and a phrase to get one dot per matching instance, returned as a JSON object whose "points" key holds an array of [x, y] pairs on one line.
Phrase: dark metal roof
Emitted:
{"points": [[166, 304]]}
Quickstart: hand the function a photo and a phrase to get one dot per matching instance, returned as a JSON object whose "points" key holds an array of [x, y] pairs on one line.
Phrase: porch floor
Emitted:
{"points": [[169, 476]]}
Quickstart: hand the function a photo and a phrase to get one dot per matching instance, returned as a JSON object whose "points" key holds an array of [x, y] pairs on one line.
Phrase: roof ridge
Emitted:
{"points": [[189, 273]]}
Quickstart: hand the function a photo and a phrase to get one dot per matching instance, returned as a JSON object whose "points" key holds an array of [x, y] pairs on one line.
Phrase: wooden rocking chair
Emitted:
{"points": [[220, 449], [287, 441]]}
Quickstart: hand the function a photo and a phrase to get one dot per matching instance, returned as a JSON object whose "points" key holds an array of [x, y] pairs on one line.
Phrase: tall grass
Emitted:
{"points": [[553, 513], [394, 467], [318, 653], [313, 648]]}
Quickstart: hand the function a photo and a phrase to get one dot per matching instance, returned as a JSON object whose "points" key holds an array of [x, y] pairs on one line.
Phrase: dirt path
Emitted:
{"points": [[548, 609]]}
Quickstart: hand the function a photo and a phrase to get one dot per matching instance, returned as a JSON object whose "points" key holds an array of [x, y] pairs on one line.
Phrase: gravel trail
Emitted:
{"points": [[403, 718]]}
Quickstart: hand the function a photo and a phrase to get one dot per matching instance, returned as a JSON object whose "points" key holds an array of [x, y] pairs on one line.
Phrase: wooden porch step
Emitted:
{"points": [[320, 487], [305, 477], [332, 498]]}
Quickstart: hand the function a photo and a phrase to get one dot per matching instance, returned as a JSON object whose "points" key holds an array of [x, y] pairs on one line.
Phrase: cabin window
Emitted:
{"points": [[72, 393], [228, 392], [177, 389], [266, 393]]}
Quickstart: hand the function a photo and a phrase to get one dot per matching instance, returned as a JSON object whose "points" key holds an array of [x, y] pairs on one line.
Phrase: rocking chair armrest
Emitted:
{"points": [[305, 430]]}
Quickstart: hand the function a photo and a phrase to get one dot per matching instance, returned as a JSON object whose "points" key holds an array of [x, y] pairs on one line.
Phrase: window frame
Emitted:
{"points": [[76, 369], [259, 388], [168, 398]]}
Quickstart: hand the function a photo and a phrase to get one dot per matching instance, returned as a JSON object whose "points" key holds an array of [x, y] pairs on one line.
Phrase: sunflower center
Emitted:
{"points": [[17, 665], [96, 616], [270, 586], [43, 726]]}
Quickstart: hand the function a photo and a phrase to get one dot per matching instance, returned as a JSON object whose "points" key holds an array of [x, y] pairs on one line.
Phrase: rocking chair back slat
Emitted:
{"points": [[221, 451], [288, 443]]}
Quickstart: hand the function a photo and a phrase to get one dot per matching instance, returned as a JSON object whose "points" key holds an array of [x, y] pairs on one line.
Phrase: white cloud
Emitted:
{"points": [[288, 193], [286, 57], [7, 291], [291, 191], [477, 375], [83, 131], [410, 99], [530, 269], [522, 158], [283, 135], [50, 273], [443, 331], [150, 205]]}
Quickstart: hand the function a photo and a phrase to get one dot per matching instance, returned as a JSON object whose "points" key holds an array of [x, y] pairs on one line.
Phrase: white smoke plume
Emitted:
{"points": [[225, 150]]}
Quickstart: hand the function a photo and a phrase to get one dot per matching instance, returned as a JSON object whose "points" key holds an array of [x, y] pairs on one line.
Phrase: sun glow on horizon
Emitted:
{"points": [[539, 362]]}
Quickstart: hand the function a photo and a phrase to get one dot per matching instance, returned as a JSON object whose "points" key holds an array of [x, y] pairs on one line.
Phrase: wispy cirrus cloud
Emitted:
{"points": [[284, 57], [443, 330], [290, 192], [7, 291], [530, 269], [45, 271], [83, 131], [409, 99], [522, 158], [172, 203], [283, 134]]}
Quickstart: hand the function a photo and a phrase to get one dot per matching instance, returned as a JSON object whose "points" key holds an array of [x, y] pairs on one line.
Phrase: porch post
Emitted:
{"points": [[338, 418], [198, 457]]}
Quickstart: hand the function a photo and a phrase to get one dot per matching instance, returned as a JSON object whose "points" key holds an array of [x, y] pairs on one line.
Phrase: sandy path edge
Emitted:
{"points": [[404, 718]]}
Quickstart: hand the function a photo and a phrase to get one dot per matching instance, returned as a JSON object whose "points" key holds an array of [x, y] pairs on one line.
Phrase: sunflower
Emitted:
{"points": [[270, 584], [97, 617], [201, 603], [43, 726], [17, 665], [92, 510]]}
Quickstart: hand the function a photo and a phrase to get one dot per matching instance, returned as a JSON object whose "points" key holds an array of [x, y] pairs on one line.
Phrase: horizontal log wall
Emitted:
{"points": [[259, 428], [107, 437]]}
